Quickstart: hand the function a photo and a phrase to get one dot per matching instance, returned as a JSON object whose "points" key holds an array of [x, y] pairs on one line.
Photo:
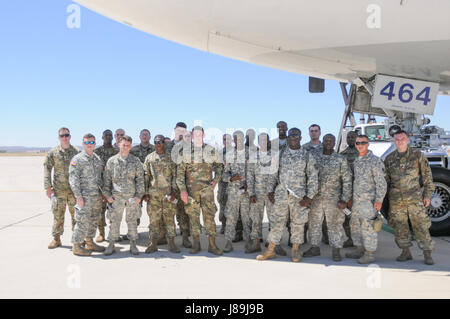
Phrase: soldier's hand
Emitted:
{"points": [[213, 184], [426, 202], [271, 196], [111, 200], [80, 201], [305, 201], [172, 196], [184, 197], [104, 200], [253, 199], [342, 204], [377, 206], [50, 192], [146, 198], [235, 177], [350, 203], [138, 200]]}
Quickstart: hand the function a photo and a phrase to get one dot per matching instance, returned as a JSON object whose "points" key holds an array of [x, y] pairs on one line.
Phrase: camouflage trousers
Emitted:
{"points": [[59, 210], [363, 234], [287, 206], [257, 215], [222, 200], [160, 209], [237, 205], [102, 220], [420, 222], [204, 201], [115, 213], [87, 218], [326, 208], [182, 217]]}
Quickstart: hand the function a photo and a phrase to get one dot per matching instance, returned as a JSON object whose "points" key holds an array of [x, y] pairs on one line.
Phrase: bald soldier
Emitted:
{"points": [[405, 168], [58, 190], [105, 152]]}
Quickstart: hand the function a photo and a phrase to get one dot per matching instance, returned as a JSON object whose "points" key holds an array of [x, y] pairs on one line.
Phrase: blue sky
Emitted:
{"points": [[109, 75]]}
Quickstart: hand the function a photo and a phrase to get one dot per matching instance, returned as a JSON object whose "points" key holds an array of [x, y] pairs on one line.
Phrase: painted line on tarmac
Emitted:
{"points": [[23, 220]]}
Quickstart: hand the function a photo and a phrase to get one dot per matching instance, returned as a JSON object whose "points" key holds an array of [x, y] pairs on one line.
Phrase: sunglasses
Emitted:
{"points": [[361, 143], [64, 135], [89, 142], [159, 142]]}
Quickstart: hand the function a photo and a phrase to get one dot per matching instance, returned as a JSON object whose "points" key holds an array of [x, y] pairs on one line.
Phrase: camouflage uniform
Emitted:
{"points": [[369, 186], [351, 153], [335, 184], [142, 152], [259, 176], [124, 180], [238, 202], [59, 160], [160, 177], [403, 175], [315, 150], [85, 178], [222, 196], [298, 172], [194, 176], [105, 153], [175, 151]]}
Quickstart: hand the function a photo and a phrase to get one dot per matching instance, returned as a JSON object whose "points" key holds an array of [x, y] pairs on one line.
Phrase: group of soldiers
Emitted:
{"points": [[314, 192]]}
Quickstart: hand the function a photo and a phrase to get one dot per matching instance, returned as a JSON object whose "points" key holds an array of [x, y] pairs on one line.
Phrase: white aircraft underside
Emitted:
{"points": [[328, 39]]}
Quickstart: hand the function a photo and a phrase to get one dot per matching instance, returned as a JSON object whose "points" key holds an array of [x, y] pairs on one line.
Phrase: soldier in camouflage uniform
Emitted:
{"points": [[297, 183], [160, 182], [85, 178], [351, 153], [117, 136], [258, 176], [405, 167], [235, 174], [175, 148], [124, 188], [105, 152], [195, 180], [369, 189], [335, 190], [222, 186], [58, 159]]}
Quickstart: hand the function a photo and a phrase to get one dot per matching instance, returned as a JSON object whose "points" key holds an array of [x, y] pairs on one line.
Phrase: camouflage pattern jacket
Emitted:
{"points": [[236, 163], [105, 153], [260, 174], [351, 154], [59, 160], [142, 152], [85, 175], [160, 175]]}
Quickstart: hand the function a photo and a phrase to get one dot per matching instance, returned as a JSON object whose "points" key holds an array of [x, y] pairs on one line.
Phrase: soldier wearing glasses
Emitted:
{"points": [[58, 190]]}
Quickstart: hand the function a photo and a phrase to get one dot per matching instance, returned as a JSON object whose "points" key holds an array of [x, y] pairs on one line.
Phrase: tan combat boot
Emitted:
{"points": [[90, 245], [101, 236], [269, 254], [255, 247], [428, 259], [153, 245], [296, 256], [133, 248], [405, 255], [172, 247], [196, 248], [336, 254], [186, 242], [110, 250], [369, 257], [312, 252], [356, 254], [56, 242], [228, 247], [212, 248], [80, 251]]}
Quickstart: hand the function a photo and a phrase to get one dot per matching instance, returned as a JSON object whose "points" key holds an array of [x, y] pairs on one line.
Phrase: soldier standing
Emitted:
{"points": [[160, 184], [314, 146], [279, 144], [238, 204], [258, 176], [351, 153], [369, 189], [85, 178], [124, 188], [105, 152], [196, 183], [335, 190], [297, 184], [58, 159], [405, 167], [222, 186], [117, 136]]}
